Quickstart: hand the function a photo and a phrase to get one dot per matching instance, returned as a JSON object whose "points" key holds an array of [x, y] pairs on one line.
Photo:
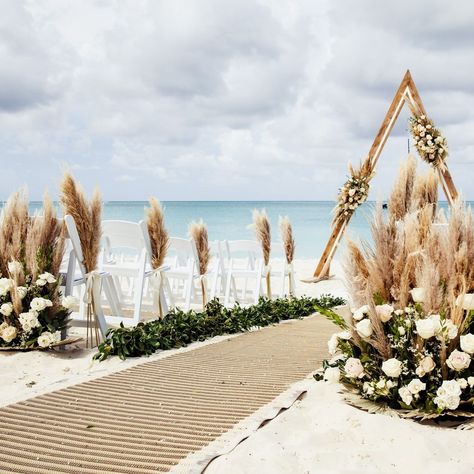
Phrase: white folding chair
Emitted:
{"points": [[217, 275], [246, 263], [184, 267], [76, 257], [125, 256], [285, 276]]}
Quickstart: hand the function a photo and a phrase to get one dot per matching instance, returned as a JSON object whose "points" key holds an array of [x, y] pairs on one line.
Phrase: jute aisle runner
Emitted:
{"points": [[154, 416]]}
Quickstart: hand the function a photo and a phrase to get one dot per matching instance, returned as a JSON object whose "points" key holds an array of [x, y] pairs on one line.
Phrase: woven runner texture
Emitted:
{"points": [[147, 418]]}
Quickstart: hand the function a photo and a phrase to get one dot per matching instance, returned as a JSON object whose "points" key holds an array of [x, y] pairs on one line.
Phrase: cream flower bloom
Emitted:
{"points": [[458, 360], [384, 312], [353, 368], [6, 309], [332, 374], [364, 328], [8, 333], [467, 343], [392, 367]]}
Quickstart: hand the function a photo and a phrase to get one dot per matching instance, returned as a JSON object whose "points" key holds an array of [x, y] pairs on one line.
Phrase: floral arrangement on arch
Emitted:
{"points": [[32, 314], [354, 192], [408, 345], [429, 141]]}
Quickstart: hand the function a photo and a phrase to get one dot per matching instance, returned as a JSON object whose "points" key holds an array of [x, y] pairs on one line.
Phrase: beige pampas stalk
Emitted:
{"points": [[425, 191], [261, 226], [13, 230], [400, 199], [198, 232], [159, 238], [87, 217], [357, 273], [286, 232], [44, 247]]}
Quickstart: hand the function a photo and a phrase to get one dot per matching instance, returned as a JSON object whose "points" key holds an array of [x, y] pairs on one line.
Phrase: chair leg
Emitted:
{"points": [[99, 312], [138, 297], [230, 278], [111, 295], [189, 290], [283, 280]]}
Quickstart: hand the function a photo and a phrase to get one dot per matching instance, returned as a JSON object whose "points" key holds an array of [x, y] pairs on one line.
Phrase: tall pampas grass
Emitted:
{"points": [[198, 232], [261, 225], [425, 191], [286, 232], [44, 247], [357, 273], [87, 216], [13, 230], [159, 237], [401, 197]]}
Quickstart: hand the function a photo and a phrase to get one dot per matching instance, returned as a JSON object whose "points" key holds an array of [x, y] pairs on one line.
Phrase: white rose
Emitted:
{"points": [[69, 301], [462, 383], [470, 381], [353, 368], [401, 330], [38, 304], [426, 328], [466, 301], [467, 343], [418, 295], [427, 364], [450, 387], [352, 192], [14, 267], [29, 320], [6, 309], [458, 360], [334, 340], [392, 367], [332, 374], [45, 340], [40, 282], [405, 395], [5, 286], [22, 291], [368, 388], [364, 328], [384, 312], [48, 277], [416, 386], [449, 329], [8, 333], [360, 313]]}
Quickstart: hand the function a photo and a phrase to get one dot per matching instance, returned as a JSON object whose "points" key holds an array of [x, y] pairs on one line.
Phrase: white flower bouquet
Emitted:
{"points": [[429, 142], [353, 193], [405, 360], [31, 315], [31, 249]]}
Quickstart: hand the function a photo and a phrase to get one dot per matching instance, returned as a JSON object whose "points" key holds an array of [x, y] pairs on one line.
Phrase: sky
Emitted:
{"points": [[225, 99]]}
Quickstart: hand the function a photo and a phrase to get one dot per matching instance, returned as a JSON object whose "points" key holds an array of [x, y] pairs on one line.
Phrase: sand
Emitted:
{"points": [[319, 434]]}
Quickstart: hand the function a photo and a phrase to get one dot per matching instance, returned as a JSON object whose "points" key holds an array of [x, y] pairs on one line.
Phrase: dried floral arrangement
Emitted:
{"points": [[32, 314], [408, 347], [198, 232], [429, 141], [354, 192], [261, 226]]}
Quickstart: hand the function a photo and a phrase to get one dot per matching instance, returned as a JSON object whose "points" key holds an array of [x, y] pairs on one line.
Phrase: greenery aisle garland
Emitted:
{"points": [[179, 328]]}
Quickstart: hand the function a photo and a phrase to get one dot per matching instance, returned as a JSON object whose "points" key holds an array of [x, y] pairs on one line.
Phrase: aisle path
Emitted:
{"points": [[150, 417]]}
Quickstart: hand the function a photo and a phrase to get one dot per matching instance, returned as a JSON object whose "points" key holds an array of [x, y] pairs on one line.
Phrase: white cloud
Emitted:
{"points": [[264, 99]]}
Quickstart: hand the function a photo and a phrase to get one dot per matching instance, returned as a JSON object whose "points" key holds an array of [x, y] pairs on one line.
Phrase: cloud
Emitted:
{"points": [[262, 99]]}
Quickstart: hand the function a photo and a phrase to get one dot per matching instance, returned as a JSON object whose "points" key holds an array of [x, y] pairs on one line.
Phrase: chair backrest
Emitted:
{"points": [[250, 250], [75, 241], [123, 234], [184, 250]]}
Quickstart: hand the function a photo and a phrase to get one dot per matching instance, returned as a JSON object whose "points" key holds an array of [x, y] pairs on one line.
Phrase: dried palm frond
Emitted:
{"points": [[159, 238], [87, 217], [13, 230], [44, 246], [198, 232], [286, 232], [400, 199]]}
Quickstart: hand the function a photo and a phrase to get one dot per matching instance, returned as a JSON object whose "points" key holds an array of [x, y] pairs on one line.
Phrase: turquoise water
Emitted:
{"points": [[229, 219]]}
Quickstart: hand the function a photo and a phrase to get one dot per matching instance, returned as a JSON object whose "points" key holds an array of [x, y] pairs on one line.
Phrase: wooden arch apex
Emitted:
{"points": [[407, 93]]}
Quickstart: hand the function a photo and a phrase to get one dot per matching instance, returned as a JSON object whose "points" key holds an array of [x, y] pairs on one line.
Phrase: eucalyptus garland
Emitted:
{"points": [[429, 141]]}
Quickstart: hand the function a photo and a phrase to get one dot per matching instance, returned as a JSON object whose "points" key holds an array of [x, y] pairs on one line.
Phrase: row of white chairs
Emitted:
{"points": [[236, 272]]}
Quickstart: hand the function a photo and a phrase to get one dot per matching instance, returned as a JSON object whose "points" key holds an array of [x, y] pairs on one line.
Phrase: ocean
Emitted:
{"points": [[229, 220]]}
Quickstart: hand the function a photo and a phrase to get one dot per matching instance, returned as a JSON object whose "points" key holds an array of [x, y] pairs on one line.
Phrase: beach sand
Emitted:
{"points": [[319, 434]]}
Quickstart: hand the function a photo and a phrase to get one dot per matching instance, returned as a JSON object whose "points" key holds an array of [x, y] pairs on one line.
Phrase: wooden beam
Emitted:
{"points": [[406, 93]]}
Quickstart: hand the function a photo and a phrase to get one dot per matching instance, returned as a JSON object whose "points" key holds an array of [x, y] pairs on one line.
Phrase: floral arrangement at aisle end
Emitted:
{"points": [[429, 141], [408, 347], [354, 192], [31, 250]]}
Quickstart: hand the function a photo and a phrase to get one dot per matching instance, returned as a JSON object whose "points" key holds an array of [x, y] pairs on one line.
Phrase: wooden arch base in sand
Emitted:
{"points": [[407, 93]]}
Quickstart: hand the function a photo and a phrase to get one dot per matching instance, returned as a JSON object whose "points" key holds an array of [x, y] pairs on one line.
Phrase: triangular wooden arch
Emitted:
{"points": [[407, 93]]}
